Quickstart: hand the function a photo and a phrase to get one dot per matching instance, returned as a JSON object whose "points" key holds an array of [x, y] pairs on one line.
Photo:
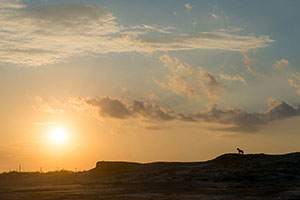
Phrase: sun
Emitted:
{"points": [[58, 135]]}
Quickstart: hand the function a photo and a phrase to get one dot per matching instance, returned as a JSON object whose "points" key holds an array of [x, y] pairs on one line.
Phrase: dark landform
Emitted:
{"points": [[227, 177]]}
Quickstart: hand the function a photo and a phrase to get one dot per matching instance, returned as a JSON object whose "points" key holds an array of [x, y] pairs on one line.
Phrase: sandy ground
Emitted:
{"points": [[145, 192]]}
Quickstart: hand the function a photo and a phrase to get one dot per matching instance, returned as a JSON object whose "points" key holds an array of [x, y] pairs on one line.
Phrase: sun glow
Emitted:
{"points": [[58, 135]]}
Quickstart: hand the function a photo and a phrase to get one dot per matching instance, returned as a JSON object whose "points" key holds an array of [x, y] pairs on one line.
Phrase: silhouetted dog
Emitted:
{"points": [[240, 151]]}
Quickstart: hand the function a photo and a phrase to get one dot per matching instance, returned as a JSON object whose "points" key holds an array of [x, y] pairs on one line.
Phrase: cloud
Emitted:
{"points": [[123, 89], [210, 84], [296, 75], [184, 79], [115, 108], [233, 78], [214, 16], [233, 119], [194, 23], [208, 40], [143, 29], [178, 80], [155, 116], [110, 107], [248, 62], [35, 36], [153, 96], [279, 64], [295, 85], [280, 110], [48, 34], [11, 4], [188, 7]]}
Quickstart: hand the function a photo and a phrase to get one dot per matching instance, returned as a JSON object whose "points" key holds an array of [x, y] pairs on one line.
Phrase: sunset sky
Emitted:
{"points": [[84, 81]]}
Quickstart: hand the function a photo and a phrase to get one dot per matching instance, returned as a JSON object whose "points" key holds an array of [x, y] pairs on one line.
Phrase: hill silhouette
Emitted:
{"points": [[225, 160], [229, 176], [234, 169]]}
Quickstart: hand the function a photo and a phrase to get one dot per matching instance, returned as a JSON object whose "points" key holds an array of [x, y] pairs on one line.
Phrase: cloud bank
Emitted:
{"points": [[35, 36], [233, 119]]}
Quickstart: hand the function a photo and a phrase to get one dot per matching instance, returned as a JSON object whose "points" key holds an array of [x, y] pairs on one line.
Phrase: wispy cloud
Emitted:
{"points": [[296, 83], [52, 106], [143, 29], [296, 75], [279, 64], [188, 7], [209, 40], [53, 33], [233, 78], [194, 23], [214, 16], [43, 35], [11, 4], [248, 62], [184, 79], [153, 96]]}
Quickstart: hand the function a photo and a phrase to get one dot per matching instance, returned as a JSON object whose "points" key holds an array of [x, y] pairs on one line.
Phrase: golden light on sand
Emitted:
{"points": [[58, 135]]}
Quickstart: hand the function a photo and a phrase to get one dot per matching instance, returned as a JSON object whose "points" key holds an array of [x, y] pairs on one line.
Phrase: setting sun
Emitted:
{"points": [[58, 135]]}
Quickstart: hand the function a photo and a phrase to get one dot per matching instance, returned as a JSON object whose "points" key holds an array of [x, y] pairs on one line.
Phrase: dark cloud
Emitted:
{"points": [[236, 120], [281, 110], [152, 111], [115, 108], [110, 107]]}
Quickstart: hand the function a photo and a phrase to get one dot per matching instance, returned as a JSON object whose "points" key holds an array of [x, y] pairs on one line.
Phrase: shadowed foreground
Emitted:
{"points": [[230, 177]]}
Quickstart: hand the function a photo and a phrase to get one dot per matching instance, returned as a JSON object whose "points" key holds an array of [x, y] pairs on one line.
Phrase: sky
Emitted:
{"points": [[144, 81]]}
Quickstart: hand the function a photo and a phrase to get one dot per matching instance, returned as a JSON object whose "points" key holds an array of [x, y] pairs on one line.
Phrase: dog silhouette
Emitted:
{"points": [[240, 151]]}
